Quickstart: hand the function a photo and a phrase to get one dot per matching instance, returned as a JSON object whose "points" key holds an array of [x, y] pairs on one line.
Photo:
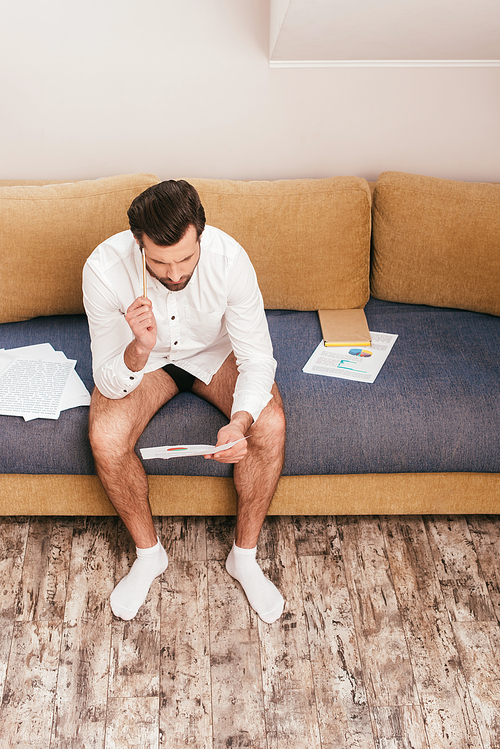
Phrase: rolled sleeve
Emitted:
{"points": [[252, 403], [115, 380], [110, 336], [248, 331]]}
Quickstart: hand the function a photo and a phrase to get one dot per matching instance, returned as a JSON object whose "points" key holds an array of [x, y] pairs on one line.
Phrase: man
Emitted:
{"points": [[199, 326]]}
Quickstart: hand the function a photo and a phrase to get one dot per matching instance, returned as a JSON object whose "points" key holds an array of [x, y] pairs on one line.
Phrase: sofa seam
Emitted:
{"points": [[439, 195], [66, 197]]}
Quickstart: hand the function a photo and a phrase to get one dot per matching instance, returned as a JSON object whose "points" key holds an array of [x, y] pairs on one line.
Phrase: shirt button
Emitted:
{"points": [[131, 378], [173, 317], [175, 343]]}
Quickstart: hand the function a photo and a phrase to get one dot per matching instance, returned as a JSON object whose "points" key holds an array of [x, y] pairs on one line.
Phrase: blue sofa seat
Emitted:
{"points": [[434, 407]]}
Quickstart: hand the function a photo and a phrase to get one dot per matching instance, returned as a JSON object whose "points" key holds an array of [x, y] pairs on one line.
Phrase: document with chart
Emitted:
{"points": [[361, 363], [184, 451]]}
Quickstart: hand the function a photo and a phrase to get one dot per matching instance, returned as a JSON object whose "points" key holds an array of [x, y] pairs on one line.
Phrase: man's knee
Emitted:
{"points": [[277, 419], [109, 432], [271, 424]]}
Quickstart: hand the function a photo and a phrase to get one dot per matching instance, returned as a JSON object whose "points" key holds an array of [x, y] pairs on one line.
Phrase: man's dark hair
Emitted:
{"points": [[164, 212]]}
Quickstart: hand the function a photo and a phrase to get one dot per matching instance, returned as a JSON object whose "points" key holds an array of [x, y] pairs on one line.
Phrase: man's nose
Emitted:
{"points": [[175, 273]]}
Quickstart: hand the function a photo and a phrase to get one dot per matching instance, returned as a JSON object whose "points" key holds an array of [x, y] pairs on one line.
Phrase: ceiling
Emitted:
{"points": [[323, 33]]}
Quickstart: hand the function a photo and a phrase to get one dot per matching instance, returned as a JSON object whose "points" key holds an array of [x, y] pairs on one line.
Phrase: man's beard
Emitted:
{"points": [[169, 284], [175, 286]]}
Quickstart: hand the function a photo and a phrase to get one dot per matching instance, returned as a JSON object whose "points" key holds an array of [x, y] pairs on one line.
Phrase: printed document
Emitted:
{"points": [[38, 382], [361, 363], [33, 387], [183, 451]]}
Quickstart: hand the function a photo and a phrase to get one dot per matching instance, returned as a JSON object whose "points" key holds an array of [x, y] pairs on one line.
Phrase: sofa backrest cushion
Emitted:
{"points": [[46, 234], [308, 239], [436, 242]]}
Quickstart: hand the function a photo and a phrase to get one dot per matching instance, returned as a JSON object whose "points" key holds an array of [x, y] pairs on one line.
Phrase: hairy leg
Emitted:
{"points": [[255, 479], [257, 475], [114, 428]]}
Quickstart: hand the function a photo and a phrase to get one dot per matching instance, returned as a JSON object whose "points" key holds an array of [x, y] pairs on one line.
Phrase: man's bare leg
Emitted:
{"points": [[114, 428], [255, 479], [257, 475]]}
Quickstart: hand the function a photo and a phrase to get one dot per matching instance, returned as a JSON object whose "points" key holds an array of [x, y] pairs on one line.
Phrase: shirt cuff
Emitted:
{"points": [[117, 380], [250, 402]]}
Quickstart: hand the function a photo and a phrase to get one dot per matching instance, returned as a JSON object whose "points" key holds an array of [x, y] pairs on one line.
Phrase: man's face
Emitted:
{"points": [[173, 266]]}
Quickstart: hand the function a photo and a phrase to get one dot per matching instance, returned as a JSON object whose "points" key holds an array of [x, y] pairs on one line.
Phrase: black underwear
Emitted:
{"points": [[182, 379]]}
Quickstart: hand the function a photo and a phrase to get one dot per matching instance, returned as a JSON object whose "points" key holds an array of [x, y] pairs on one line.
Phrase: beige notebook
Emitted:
{"points": [[344, 327]]}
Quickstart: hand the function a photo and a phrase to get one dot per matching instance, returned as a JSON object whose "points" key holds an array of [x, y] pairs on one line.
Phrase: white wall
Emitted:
{"points": [[385, 30], [183, 88]]}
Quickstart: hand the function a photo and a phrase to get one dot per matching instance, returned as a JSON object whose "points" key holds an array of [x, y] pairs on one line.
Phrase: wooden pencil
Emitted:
{"points": [[144, 276]]}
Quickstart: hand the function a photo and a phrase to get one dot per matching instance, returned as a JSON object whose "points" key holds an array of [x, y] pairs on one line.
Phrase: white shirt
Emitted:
{"points": [[219, 311]]}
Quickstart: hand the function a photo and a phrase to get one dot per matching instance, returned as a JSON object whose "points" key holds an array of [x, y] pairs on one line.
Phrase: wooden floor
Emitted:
{"points": [[389, 639]]}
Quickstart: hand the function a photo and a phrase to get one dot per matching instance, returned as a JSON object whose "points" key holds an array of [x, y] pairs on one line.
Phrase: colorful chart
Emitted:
{"points": [[360, 352]]}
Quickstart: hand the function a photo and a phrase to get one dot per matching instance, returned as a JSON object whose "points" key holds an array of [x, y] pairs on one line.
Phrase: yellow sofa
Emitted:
{"points": [[325, 243]]}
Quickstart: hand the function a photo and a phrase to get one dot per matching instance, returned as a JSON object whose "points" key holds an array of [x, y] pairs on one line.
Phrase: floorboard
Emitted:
{"points": [[389, 638]]}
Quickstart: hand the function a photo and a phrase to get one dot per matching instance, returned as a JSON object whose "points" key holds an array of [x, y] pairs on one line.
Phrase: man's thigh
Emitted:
{"points": [[221, 389], [125, 419]]}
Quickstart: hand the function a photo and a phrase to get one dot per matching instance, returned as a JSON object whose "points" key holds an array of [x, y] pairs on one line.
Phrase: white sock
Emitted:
{"points": [[130, 593], [263, 596]]}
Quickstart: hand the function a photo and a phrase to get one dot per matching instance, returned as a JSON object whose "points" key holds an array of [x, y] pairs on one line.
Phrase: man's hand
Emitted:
{"points": [[235, 430], [142, 323]]}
